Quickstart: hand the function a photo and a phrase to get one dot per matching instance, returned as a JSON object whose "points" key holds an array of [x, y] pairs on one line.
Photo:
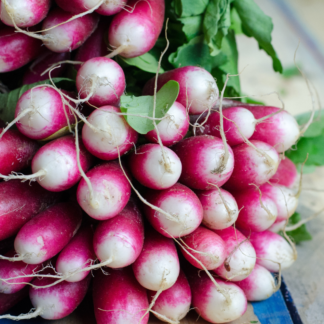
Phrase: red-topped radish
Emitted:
{"points": [[204, 164], [155, 167], [198, 89], [286, 174]]}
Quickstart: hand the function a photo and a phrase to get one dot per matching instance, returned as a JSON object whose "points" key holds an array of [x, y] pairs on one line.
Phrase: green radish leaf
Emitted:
{"points": [[187, 8], [317, 126], [8, 101], [192, 26], [258, 25], [142, 107]]}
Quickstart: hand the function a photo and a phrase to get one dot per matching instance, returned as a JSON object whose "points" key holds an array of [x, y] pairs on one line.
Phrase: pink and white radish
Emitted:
{"points": [[157, 268], [10, 270], [8, 301], [100, 81], [236, 121], [41, 112], [240, 255], [258, 211], [259, 285], [42, 63], [23, 13], [155, 167], [198, 89], [118, 298], [134, 33], [172, 128], [281, 130], [284, 198], [277, 226], [70, 35], [272, 249], [16, 151], [286, 174], [180, 203], [47, 234], [220, 208], [173, 303], [204, 162], [110, 134], [119, 241], [20, 202], [111, 191], [254, 164], [206, 246], [16, 49], [76, 255], [211, 304]]}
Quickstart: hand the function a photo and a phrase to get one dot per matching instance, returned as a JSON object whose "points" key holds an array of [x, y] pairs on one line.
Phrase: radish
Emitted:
{"points": [[42, 63], [173, 303], [237, 121], [119, 299], [172, 128], [157, 268], [16, 49], [112, 136], [107, 8], [284, 198], [119, 241], [155, 167], [198, 89], [259, 285], [206, 246], [240, 255], [77, 254], [277, 226], [220, 208], [272, 249], [212, 305], [46, 234], [100, 81], [14, 269], [281, 130], [134, 33], [205, 163], [258, 211], [24, 13], [55, 165], [254, 164], [179, 202], [111, 191], [20, 202], [69, 35], [8, 301], [286, 174], [41, 112], [16, 151]]}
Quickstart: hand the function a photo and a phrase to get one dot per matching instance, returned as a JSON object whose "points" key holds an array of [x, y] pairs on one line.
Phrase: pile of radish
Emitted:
{"points": [[184, 216]]}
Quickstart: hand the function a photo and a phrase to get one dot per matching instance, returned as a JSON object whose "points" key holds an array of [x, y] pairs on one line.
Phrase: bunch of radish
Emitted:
{"points": [[188, 218]]}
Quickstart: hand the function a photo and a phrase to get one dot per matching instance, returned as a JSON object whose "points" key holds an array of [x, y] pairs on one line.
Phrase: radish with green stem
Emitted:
{"points": [[108, 133], [181, 204], [286, 174], [20, 202], [134, 33], [220, 208], [155, 167], [111, 191], [204, 164]]}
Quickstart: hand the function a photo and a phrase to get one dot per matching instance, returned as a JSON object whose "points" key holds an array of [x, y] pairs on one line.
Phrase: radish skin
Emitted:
{"points": [[155, 167], [8, 301], [16, 151], [48, 233], [20, 202], [118, 298], [220, 208], [202, 159], [198, 89], [77, 254], [180, 202], [286, 174], [277, 226], [111, 191]]}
